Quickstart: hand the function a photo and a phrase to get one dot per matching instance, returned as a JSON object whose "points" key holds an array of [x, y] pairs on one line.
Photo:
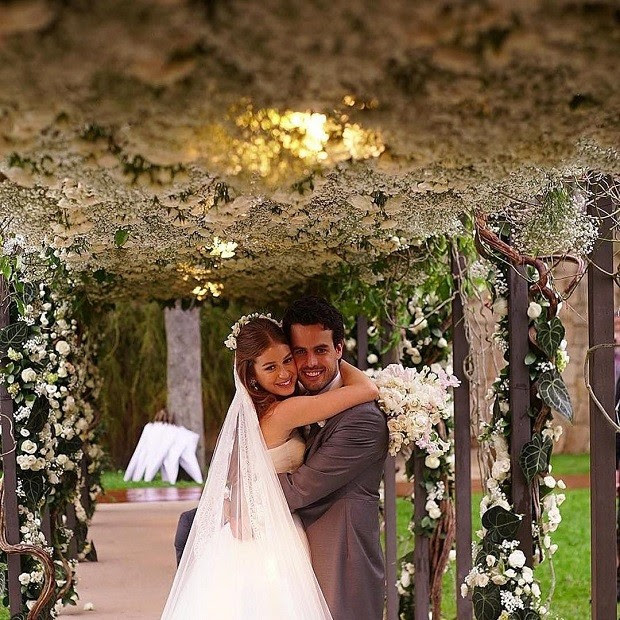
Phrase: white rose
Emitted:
{"points": [[452, 555], [432, 461], [499, 580], [29, 447], [63, 347], [490, 560], [500, 307], [535, 590], [24, 579], [528, 574], [549, 481], [28, 375], [405, 579], [464, 590], [372, 359], [561, 484], [481, 580], [434, 513], [442, 343], [534, 310], [517, 559]]}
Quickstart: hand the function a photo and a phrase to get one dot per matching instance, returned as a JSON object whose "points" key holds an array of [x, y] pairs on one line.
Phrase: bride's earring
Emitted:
{"points": [[254, 384]]}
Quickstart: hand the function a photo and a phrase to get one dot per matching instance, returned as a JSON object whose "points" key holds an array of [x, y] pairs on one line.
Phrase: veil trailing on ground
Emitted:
{"points": [[244, 557]]}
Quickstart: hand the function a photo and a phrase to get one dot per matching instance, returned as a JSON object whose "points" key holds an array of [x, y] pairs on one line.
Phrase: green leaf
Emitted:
{"points": [[530, 358], [13, 335], [120, 237], [500, 523], [29, 292], [553, 392], [39, 415], [534, 457], [549, 335], [34, 486], [525, 614], [487, 602]]}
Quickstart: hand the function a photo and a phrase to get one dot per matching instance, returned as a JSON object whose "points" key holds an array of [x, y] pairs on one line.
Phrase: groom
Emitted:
{"points": [[336, 490]]}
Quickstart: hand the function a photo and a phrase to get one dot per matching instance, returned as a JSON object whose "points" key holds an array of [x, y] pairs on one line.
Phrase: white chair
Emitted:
{"points": [[163, 447]]}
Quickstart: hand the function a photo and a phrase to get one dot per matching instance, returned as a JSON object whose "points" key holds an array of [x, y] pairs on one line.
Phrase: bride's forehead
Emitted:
{"points": [[275, 352]]}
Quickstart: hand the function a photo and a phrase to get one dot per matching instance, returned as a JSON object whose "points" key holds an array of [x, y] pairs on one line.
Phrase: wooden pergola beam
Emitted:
{"points": [[9, 468], [602, 436]]}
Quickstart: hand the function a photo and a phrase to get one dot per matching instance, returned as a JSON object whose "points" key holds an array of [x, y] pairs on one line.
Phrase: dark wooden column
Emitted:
{"points": [[462, 444], [521, 423], [9, 467], [71, 524], [362, 342], [602, 436], [389, 502], [421, 551]]}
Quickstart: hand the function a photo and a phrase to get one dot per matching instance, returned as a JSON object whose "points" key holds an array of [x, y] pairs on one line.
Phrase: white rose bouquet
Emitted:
{"points": [[414, 403]]}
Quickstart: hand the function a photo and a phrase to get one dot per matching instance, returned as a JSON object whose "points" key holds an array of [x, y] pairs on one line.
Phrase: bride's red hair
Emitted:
{"points": [[253, 340]]}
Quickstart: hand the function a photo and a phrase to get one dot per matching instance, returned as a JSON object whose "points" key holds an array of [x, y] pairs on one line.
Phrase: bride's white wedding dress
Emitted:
{"points": [[246, 557]]}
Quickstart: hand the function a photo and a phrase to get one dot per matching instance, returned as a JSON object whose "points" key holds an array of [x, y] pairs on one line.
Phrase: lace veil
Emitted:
{"points": [[244, 557]]}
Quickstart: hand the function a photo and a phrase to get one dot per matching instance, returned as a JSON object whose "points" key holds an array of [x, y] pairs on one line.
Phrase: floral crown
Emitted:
{"points": [[231, 341]]}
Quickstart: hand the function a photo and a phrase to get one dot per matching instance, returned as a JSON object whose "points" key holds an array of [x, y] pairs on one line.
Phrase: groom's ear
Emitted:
{"points": [[339, 349]]}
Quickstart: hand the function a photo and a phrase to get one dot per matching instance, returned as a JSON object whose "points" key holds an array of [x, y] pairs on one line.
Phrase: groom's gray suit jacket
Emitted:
{"points": [[336, 494]]}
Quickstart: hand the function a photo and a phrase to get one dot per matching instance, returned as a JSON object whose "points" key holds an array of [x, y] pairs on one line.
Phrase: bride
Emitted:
{"points": [[246, 555]]}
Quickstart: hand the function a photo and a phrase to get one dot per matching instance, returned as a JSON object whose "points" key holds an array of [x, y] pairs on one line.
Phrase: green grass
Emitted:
{"points": [[571, 600], [113, 481], [568, 464]]}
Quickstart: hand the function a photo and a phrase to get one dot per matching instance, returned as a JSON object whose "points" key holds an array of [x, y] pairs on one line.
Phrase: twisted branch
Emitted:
{"points": [[483, 233], [47, 593], [586, 378]]}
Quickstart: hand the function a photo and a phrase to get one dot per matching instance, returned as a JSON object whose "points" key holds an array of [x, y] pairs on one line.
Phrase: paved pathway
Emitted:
{"points": [[136, 561]]}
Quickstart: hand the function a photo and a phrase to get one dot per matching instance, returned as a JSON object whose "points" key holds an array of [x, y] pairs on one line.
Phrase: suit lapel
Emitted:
{"points": [[314, 431]]}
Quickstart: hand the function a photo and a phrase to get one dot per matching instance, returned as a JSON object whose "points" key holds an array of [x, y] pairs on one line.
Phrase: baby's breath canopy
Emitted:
{"points": [[237, 148]]}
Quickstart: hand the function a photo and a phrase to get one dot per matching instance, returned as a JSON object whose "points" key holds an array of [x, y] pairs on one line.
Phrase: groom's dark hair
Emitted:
{"points": [[312, 310]]}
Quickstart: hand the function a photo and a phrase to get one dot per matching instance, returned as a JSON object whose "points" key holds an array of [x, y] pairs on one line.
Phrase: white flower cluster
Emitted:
{"points": [[558, 225], [231, 341], [14, 245], [414, 403], [53, 364], [508, 570]]}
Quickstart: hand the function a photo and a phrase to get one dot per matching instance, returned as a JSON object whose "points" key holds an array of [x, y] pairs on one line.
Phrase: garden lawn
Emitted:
{"points": [[113, 481], [571, 600]]}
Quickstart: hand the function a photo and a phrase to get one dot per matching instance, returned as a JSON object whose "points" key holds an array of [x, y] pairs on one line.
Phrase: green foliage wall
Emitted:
{"points": [[133, 369]]}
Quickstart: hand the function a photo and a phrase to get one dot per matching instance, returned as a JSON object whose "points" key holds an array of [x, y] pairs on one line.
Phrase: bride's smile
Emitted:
{"points": [[276, 371]]}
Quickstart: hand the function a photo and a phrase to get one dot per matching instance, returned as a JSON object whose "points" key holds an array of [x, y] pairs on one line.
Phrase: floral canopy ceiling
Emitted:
{"points": [[177, 147]]}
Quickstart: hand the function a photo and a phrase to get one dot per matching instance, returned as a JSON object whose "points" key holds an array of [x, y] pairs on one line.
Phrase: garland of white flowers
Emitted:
{"points": [[501, 584], [47, 365], [422, 326]]}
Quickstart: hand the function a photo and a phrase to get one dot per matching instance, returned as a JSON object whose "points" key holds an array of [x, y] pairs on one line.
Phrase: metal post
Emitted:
{"points": [[602, 437], [9, 467], [519, 391], [462, 444], [389, 502]]}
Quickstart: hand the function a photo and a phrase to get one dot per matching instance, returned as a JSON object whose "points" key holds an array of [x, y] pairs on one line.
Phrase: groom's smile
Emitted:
{"points": [[315, 354]]}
